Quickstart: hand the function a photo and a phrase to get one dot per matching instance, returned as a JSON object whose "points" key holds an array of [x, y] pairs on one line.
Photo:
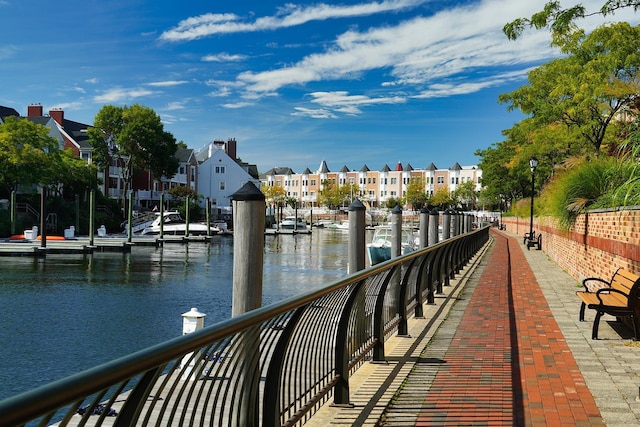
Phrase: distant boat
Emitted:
{"points": [[174, 224], [293, 223], [343, 225], [379, 249], [324, 223]]}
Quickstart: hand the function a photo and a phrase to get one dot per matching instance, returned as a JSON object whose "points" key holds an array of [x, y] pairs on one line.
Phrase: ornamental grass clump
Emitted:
{"points": [[604, 182]]}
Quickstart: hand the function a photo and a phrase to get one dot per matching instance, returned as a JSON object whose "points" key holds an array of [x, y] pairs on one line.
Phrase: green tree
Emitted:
{"points": [[467, 195], [441, 198], [330, 195], [136, 137], [273, 194], [561, 21], [415, 195], [28, 155], [586, 89], [75, 175]]}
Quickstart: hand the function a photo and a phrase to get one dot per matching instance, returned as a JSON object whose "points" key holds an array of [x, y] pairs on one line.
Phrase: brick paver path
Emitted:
{"points": [[508, 363]]}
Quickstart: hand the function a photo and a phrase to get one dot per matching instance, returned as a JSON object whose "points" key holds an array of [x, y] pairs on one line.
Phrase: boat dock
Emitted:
{"points": [[81, 246]]}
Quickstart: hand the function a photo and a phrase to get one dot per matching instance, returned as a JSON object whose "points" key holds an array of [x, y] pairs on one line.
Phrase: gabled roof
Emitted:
{"points": [[184, 155], [432, 167], [6, 112], [344, 169], [408, 168], [398, 167], [323, 167], [386, 168], [279, 171], [307, 171], [365, 168], [78, 131], [456, 167]]}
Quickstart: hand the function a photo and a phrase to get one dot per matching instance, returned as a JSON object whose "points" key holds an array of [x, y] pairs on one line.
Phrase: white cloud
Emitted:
{"points": [[168, 83], [117, 95], [223, 57], [287, 16], [416, 51], [320, 113], [176, 105], [7, 51], [93, 80], [235, 105]]}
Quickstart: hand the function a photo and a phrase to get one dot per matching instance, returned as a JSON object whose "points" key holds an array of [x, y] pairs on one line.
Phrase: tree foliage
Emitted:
{"points": [[415, 195], [135, 136], [562, 21], [586, 89], [28, 155]]}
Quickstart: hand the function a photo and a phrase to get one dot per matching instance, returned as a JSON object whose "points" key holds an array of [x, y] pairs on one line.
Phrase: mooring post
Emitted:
{"points": [[248, 250], [446, 224], [424, 228], [187, 218], [356, 237], [162, 216], [92, 215], [13, 212], [396, 232], [434, 225], [456, 223], [208, 215], [43, 217], [130, 218]]}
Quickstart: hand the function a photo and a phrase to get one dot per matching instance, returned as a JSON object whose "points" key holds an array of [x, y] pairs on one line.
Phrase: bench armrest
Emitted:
{"points": [[608, 291], [594, 287]]}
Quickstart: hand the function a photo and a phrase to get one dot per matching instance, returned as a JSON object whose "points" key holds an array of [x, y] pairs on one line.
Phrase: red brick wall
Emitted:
{"points": [[595, 246]]}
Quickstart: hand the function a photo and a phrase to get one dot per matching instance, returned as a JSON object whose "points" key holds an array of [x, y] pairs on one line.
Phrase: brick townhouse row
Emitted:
{"points": [[375, 186]]}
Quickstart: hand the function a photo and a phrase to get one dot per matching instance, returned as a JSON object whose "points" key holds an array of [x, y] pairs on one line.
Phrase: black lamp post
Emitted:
{"points": [[533, 163]]}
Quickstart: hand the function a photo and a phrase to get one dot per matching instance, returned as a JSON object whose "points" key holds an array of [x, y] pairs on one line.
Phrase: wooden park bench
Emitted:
{"points": [[530, 239], [619, 297]]}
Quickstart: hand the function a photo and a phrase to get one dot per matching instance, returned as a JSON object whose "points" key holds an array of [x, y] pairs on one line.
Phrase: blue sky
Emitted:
{"points": [[352, 82]]}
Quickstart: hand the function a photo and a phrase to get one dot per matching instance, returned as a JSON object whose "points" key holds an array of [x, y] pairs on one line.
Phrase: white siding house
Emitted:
{"points": [[220, 176]]}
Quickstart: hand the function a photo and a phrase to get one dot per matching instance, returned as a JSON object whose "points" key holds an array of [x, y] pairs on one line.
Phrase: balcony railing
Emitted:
{"points": [[272, 366]]}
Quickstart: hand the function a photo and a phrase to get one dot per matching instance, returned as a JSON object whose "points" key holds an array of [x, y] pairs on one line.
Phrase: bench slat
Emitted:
{"points": [[614, 303]]}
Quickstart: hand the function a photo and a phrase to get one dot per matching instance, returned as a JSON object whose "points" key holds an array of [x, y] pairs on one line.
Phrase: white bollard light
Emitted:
{"points": [[192, 321]]}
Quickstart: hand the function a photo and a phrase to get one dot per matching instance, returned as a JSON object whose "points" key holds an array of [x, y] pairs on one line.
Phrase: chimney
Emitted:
{"points": [[232, 148], [34, 110], [58, 115]]}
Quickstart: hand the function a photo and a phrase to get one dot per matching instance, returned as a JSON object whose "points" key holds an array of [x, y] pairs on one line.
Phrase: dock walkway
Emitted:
{"points": [[501, 347]]}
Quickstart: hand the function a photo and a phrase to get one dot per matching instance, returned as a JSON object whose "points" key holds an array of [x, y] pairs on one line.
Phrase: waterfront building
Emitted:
{"points": [[375, 187], [221, 174]]}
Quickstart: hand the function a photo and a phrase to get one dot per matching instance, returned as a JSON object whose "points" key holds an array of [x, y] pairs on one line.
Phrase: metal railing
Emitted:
{"points": [[272, 366]]}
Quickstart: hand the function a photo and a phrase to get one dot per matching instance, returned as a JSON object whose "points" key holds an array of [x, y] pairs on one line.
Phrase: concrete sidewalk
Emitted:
{"points": [[502, 346]]}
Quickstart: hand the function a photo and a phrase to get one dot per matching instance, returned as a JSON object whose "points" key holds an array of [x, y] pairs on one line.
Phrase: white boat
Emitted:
{"points": [[379, 249], [293, 223], [343, 225], [174, 224]]}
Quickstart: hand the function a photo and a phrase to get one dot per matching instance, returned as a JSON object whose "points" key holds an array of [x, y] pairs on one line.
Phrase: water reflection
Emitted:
{"points": [[66, 313]]}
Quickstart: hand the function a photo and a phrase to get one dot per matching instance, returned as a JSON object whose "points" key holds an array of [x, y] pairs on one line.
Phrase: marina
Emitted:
{"points": [[65, 313]]}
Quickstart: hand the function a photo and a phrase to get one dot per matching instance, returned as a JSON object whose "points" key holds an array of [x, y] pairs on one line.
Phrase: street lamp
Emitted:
{"points": [[533, 163]]}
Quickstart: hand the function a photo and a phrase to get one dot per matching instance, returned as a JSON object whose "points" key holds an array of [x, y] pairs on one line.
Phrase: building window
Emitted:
{"points": [[313, 182], [394, 181], [221, 185], [441, 180], [219, 169], [214, 201], [181, 170]]}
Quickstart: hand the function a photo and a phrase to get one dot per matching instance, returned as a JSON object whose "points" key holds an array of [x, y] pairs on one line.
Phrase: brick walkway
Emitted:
{"points": [[508, 363]]}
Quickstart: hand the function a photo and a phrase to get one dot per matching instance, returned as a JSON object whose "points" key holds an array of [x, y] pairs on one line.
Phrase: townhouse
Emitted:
{"points": [[374, 187]]}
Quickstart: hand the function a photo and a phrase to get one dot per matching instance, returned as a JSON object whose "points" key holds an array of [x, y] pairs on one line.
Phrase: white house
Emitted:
{"points": [[220, 175]]}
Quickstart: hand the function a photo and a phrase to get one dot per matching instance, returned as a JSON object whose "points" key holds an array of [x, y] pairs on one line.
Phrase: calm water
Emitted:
{"points": [[67, 313]]}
